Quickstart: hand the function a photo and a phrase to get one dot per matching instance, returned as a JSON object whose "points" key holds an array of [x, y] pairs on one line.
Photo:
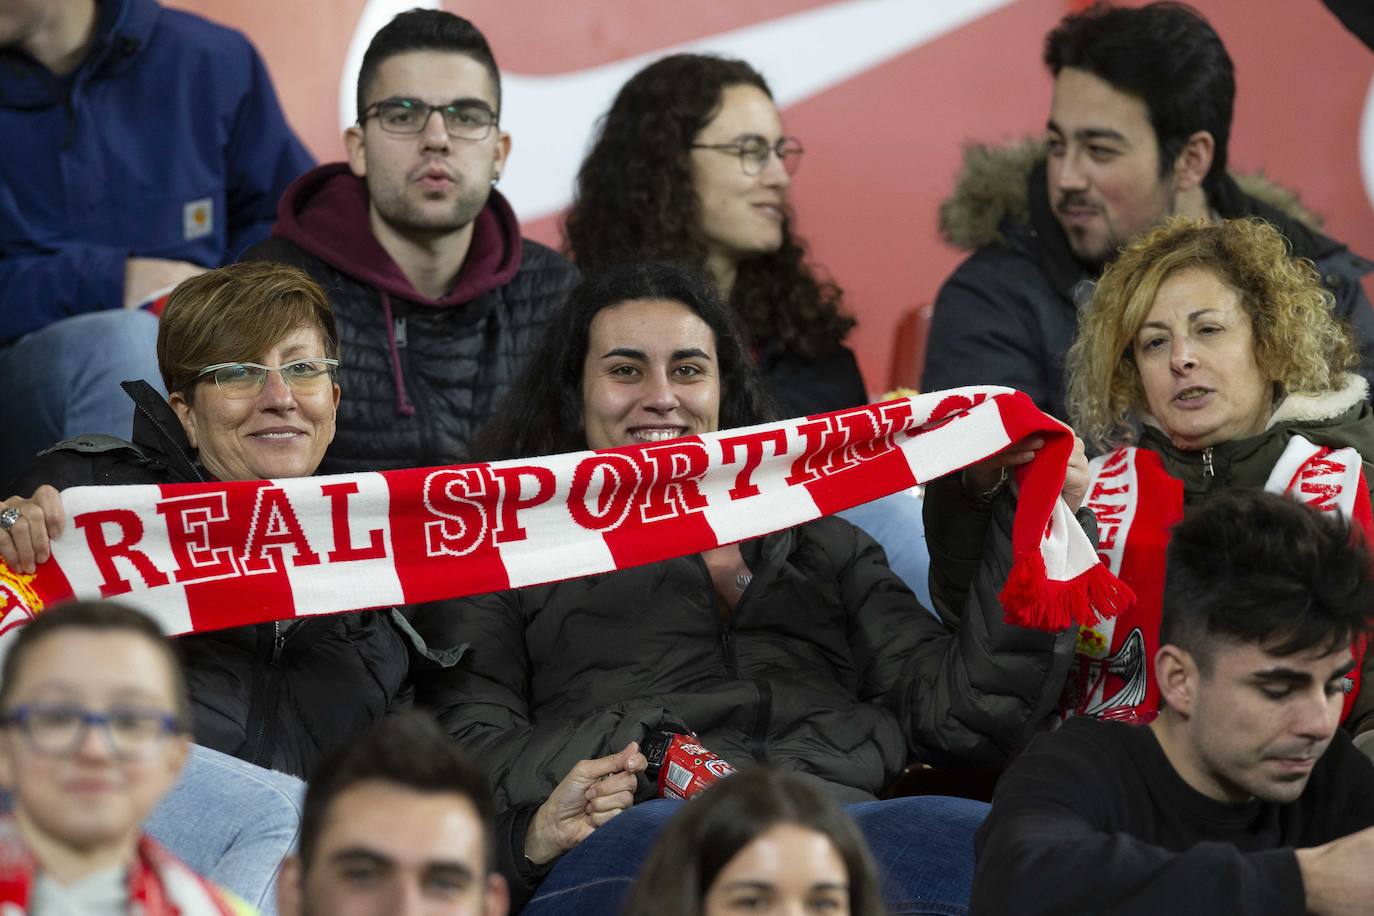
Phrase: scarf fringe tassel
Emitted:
{"points": [[1031, 599]]}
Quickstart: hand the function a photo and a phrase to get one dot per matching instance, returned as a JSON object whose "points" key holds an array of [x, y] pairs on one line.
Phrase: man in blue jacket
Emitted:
{"points": [[141, 146]]}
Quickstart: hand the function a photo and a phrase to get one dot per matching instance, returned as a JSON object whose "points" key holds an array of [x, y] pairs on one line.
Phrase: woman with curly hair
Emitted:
{"points": [[1208, 360], [691, 165]]}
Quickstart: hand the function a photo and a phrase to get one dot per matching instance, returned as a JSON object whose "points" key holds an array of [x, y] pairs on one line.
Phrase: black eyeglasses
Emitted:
{"points": [[59, 728], [753, 152], [462, 120]]}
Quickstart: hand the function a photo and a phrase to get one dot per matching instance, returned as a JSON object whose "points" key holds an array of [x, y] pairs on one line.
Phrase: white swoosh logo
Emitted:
{"points": [[551, 118], [1367, 144]]}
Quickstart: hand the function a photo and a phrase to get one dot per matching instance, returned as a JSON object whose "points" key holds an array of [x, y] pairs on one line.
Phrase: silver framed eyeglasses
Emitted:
{"points": [[753, 152], [245, 380], [60, 728], [463, 120]]}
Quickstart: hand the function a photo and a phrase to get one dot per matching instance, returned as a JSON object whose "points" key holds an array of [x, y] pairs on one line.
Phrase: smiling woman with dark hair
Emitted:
{"points": [[801, 647]]}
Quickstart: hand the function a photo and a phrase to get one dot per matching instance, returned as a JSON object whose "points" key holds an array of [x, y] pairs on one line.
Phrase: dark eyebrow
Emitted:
{"points": [[361, 853], [451, 870], [627, 352], [1192, 316], [691, 353], [465, 102], [1090, 133], [1283, 675]]}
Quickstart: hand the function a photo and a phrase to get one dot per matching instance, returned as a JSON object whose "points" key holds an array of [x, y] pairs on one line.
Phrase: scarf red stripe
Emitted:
{"points": [[206, 556]]}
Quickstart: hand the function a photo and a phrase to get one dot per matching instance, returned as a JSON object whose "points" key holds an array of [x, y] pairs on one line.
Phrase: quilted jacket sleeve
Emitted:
{"points": [[975, 690], [483, 702]]}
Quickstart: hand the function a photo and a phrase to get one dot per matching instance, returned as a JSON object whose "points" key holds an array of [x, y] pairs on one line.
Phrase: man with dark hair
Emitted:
{"points": [[1242, 796], [144, 145], [398, 821], [402, 815], [438, 298], [1138, 131]]}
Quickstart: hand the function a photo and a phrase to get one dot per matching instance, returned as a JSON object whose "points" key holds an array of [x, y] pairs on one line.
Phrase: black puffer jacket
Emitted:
{"points": [[419, 376], [803, 387], [1008, 314], [828, 665], [280, 698]]}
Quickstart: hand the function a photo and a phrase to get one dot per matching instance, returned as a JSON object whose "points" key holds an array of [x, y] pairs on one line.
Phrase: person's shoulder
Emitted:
{"points": [[1085, 746], [193, 32], [540, 285], [540, 258], [1015, 266]]}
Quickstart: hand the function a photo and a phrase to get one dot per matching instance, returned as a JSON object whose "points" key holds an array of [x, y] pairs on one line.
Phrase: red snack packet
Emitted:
{"points": [[681, 766]]}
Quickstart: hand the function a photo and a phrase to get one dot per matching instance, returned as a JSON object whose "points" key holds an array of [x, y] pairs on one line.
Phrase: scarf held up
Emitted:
{"points": [[202, 557]]}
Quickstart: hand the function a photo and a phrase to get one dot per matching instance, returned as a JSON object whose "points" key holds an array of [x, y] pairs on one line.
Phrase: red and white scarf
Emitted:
{"points": [[201, 557], [160, 884], [1137, 503]]}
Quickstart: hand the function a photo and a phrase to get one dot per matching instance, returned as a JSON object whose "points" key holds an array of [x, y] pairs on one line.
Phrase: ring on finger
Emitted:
{"points": [[8, 517]]}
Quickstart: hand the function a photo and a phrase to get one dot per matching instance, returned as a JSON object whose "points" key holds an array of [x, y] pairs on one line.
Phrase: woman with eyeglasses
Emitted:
{"points": [[248, 353], [691, 165]]}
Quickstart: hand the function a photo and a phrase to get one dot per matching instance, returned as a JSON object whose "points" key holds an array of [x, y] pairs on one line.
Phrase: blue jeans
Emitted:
{"points": [[895, 522], [63, 381], [923, 846], [232, 822]]}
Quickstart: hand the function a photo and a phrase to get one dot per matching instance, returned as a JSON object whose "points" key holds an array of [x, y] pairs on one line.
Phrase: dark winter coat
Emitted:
{"points": [[278, 697], [419, 376], [801, 387], [828, 666], [1008, 314]]}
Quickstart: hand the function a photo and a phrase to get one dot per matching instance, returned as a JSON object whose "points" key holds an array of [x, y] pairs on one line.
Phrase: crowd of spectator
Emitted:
{"points": [[210, 307]]}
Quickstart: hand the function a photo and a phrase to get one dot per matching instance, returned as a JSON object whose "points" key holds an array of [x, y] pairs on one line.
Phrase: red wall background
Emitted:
{"points": [[883, 148]]}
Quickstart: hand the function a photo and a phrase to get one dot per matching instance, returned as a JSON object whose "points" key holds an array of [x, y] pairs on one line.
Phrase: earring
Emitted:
{"points": [[495, 178]]}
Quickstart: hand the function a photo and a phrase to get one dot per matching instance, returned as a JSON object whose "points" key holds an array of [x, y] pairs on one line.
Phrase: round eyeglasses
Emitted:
{"points": [[245, 380], [58, 728], [462, 120], [753, 152]]}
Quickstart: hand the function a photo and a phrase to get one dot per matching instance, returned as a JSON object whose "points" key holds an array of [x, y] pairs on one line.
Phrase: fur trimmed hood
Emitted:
{"points": [[994, 183], [1311, 408]]}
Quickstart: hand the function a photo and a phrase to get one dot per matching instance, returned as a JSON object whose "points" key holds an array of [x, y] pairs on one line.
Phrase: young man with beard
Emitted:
{"points": [[1138, 131], [437, 297], [1242, 796]]}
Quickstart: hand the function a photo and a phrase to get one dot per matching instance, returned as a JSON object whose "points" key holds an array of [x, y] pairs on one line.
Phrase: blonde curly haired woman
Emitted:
{"points": [[1207, 360]]}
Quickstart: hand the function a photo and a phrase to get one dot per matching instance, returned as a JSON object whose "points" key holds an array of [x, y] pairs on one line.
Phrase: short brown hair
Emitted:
{"points": [[103, 617], [1299, 343], [237, 313]]}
